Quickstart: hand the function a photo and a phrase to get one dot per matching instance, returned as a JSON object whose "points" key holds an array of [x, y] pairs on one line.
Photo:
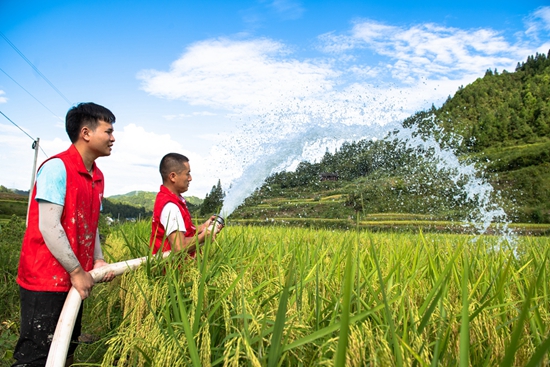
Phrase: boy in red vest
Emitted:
{"points": [[61, 243], [172, 227]]}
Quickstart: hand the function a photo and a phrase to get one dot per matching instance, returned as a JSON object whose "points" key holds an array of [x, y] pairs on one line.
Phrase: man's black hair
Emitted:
{"points": [[171, 162], [86, 114]]}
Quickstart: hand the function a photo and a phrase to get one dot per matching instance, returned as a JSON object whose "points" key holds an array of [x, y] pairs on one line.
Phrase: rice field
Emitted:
{"points": [[280, 296]]}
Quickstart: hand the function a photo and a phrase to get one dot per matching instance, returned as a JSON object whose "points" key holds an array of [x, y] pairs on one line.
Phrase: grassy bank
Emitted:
{"points": [[11, 235], [397, 222], [12, 204]]}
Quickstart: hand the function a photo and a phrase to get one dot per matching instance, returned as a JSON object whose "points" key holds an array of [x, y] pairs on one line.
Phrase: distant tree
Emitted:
{"points": [[123, 211], [20, 192], [213, 201]]}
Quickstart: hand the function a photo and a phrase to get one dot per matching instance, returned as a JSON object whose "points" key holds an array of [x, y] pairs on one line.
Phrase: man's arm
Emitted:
{"points": [[174, 225], [99, 261], [49, 215], [98, 252], [179, 241]]}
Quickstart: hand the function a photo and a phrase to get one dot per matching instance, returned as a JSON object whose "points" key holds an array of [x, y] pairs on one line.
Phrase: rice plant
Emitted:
{"points": [[280, 296]]}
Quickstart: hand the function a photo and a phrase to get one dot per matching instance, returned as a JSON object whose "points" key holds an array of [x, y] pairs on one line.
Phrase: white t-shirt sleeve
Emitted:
{"points": [[51, 182], [171, 219]]}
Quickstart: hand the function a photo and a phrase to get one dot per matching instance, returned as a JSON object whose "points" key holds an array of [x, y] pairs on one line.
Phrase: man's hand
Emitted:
{"points": [[210, 222], [109, 276], [82, 281], [201, 228]]}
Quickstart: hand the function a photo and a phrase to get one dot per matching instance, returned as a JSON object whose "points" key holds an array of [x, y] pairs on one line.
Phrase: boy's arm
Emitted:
{"points": [[99, 260], [98, 253], [56, 240]]}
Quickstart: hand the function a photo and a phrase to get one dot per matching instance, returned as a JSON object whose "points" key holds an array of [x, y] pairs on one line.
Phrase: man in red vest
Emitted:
{"points": [[172, 227], [61, 243]]}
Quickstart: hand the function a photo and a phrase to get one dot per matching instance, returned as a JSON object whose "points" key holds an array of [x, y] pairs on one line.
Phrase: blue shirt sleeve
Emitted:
{"points": [[51, 182]]}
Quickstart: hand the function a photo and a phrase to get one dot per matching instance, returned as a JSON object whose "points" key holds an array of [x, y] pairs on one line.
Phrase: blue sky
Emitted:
{"points": [[241, 87]]}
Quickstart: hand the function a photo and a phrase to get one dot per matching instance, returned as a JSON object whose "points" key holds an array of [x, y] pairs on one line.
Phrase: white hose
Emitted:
{"points": [[57, 355]]}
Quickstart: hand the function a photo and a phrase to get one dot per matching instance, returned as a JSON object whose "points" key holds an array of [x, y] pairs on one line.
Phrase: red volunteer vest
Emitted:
{"points": [[158, 234], [38, 268]]}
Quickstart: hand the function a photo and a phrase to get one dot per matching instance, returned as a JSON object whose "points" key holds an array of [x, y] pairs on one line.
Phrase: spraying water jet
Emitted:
{"points": [[269, 154]]}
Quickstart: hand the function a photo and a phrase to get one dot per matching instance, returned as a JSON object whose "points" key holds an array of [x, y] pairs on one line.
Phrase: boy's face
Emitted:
{"points": [[182, 180], [101, 139]]}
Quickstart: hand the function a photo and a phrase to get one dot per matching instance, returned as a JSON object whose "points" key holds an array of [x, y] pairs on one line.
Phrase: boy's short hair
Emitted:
{"points": [[171, 162], [86, 114]]}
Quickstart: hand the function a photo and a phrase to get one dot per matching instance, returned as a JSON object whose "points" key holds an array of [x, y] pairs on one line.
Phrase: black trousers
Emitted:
{"points": [[39, 315]]}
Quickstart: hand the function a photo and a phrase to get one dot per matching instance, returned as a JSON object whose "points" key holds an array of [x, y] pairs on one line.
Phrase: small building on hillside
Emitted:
{"points": [[328, 176]]}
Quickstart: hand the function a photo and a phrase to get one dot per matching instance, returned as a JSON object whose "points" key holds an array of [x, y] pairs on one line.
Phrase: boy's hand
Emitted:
{"points": [[109, 276], [82, 281]]}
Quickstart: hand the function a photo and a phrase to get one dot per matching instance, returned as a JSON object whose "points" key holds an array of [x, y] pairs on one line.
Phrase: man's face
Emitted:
{"points": [[183, 179], [101, 139]]}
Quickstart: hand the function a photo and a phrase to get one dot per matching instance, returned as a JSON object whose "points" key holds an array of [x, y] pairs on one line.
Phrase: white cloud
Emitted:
{"points": [[17, 156], [427, 51], [204, 113], [245, 77], [365, 71], [335, 43], [544, 14], [8, 129], [2, 98], [175, 117], [288, 9], [539, 21], [544, 48], [133, 164], [179, 116], [182, 116]]}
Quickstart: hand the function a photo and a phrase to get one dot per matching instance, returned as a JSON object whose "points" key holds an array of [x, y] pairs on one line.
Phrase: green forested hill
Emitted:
{"points": [[505, 121], [146, 200], [501, 122], [143, 199], [502, 109]]}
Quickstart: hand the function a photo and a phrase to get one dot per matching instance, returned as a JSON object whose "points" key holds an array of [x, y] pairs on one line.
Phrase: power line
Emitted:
{"points": [[17, 126], [36, 99], [33, 139], [35, 68]]}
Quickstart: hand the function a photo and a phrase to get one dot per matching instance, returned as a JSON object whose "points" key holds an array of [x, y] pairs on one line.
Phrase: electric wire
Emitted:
{"points": [[33, 139], [35, 68], [29, 93]]}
